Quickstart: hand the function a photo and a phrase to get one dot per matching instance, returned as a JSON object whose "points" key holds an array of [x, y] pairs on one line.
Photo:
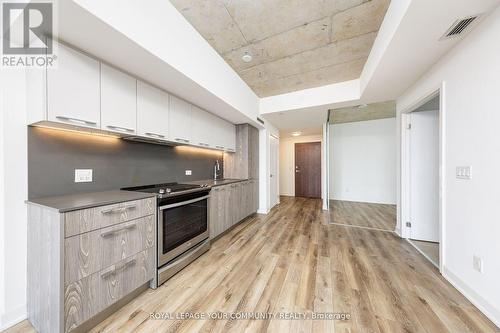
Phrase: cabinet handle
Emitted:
{"points": [[113, 269], [181, 140], [118, 209], [75, 120], [219, 147], [115, 231], [204, 144], [118, 128], [154, 134]]}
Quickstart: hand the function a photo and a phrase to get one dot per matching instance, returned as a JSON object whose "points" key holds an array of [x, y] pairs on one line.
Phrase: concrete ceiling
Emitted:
{"points": [[295, 44], [363, 112]]}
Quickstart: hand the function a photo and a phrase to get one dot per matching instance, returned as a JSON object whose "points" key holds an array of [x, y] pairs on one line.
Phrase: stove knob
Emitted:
{"points": [[168, 190], [161, 191]]}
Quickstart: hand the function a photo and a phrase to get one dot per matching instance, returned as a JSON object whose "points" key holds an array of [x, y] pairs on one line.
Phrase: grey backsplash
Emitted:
{"points": [[53, 156]]}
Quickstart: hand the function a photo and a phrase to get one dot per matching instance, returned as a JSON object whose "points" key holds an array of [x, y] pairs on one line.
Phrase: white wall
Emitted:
{"points": [[363, 161], [287, 161], [13, 193], [470, 102]]}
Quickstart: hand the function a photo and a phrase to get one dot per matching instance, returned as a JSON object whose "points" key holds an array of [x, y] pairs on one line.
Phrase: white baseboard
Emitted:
{"points": [[398, 232], [486, 308], [12, 317], [262, 211]]}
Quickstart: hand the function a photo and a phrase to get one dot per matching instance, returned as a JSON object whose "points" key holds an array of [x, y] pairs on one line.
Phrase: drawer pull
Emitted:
{"points": [[113, 269], [121, 129], [115, 231], [75, 120], [118, 209], [219, 147], [155, 135], [181, 140]]}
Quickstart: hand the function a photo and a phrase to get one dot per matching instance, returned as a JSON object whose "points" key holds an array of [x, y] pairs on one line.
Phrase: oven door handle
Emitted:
{"points": [[183, 203]]}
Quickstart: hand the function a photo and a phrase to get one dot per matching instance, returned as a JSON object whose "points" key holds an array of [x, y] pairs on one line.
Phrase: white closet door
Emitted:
{"points": [[424, 176]]}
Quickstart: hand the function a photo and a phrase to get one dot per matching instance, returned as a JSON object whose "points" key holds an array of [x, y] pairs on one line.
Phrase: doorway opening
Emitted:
{"points": [[421, 178], [308, 169]]}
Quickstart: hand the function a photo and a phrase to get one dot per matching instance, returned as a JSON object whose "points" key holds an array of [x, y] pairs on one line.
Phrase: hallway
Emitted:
{"points": [[292, 261]]}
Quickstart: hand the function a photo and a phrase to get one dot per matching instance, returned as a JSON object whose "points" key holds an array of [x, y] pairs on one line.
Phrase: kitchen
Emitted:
{"points": [[127, 185]]}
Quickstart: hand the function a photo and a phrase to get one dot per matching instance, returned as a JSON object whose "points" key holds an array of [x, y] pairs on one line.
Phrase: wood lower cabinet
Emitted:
{"points": [[230, 204], [81, 263]]}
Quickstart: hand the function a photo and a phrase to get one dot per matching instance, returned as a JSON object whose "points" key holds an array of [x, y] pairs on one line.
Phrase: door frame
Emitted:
{"points": [[405, 167], [320, 166], [276, 176]]}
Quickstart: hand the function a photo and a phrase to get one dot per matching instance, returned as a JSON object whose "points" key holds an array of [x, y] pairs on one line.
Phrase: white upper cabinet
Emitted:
{"points": [[211, 131], [180, 121], [118, 101], [229, 136], [73, 89], [203, 130], [152, 111]]}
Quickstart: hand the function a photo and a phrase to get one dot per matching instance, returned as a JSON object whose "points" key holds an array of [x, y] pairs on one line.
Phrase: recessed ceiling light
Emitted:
{"points": [[247, 57], [296, 133]]}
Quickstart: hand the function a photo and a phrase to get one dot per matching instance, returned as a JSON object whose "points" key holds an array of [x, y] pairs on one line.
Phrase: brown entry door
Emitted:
{"points": [[308, 169]]}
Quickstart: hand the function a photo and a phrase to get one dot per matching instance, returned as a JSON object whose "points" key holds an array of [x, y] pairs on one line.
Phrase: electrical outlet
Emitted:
{"points": [[189, 172], [83, 175], [477, 264], [463, 172]]}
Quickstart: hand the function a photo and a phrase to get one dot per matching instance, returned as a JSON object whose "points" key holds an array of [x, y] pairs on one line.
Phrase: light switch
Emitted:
{"points": [[83, 175], [189, 172], [463, 172], [477, 263]]}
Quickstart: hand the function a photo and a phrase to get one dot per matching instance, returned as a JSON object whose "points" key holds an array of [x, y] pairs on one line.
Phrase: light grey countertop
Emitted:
{"points": [[70, 202], [214, 183]]}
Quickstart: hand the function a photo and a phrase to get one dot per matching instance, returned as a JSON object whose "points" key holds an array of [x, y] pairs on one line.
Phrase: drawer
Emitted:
{"points": [[94, 293], [88, 253], [85, 220]]}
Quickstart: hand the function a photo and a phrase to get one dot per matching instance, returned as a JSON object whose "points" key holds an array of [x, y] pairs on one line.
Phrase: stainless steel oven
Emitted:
{"points": [[182, 224]]}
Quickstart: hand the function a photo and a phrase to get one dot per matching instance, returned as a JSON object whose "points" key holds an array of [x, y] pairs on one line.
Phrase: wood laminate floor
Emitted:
{"points": [[363, 214], [431, 249], [292, 260]]}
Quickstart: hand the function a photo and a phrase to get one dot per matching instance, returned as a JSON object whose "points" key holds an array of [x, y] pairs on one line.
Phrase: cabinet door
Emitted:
{"points": [[73, 89], [214, 212], [238, 212], [180, 121], [118, 101], [204, 130], [253, 152], [228, 132], [152, 111], [229, 207]]}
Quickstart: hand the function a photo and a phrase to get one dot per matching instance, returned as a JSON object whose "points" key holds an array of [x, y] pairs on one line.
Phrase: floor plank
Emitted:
{"points": [[293, 260], [363, 214]]}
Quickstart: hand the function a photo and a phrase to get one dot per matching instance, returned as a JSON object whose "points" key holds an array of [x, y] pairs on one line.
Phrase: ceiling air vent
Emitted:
{"points": [[459, 26]]}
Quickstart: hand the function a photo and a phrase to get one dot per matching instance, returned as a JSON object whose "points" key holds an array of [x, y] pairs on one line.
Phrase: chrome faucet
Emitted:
{"points": [[216, 169]]}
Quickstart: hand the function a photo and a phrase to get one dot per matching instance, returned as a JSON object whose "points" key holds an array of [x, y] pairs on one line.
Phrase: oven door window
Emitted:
{"points": [[183, 223]]}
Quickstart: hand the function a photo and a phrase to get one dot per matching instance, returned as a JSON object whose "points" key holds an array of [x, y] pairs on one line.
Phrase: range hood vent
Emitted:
{"points": [[459, 27]]}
